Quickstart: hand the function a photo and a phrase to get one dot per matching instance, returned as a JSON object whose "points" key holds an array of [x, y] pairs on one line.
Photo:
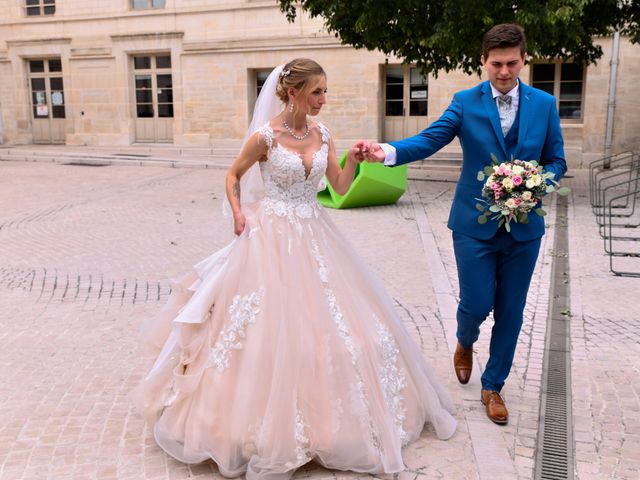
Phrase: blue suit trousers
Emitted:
{"points": [[493, 274]]}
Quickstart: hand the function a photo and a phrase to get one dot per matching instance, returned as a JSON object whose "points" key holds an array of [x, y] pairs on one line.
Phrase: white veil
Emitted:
{"points": [[268, 105]]}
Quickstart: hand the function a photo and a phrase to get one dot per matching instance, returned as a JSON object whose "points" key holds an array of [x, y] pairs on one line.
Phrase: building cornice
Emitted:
{"points": [[30, 42], [261, 44], [129, 37], [91, 53]]}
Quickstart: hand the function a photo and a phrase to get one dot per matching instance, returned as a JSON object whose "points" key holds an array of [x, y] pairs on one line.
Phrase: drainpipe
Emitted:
{"points": [[611, 106]]}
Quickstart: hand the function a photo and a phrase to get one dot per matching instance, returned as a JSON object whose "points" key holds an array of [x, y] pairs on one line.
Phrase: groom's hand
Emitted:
{"points": [[360, 150], [370, 151], [376, 153]]}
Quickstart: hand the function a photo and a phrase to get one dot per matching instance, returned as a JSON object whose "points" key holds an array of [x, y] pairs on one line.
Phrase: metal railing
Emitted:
{"points": [[614, 193]]}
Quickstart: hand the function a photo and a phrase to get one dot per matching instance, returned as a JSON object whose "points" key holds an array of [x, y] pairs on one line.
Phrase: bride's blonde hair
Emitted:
{"points": [[296, 74]]}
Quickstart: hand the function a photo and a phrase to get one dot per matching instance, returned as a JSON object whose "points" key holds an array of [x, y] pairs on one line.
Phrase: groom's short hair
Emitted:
{"points": [[505, 35]]}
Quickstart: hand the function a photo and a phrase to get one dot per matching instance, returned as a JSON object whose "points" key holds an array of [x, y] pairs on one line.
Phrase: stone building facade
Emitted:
{"points": [[187, 72]]}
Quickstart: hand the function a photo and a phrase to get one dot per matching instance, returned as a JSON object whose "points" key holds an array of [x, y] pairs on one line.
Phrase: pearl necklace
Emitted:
{"points": [[292, 133]]}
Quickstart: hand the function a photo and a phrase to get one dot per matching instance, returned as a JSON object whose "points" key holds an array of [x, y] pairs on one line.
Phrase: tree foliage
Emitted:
{"points": [[447, 34]]}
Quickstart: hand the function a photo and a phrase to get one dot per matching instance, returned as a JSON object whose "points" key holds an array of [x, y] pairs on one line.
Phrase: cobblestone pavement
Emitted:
{"points": [[85, 257], [605, 353], [514, 445]]}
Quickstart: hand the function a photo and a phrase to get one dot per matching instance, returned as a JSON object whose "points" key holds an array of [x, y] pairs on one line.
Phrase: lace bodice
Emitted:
{"points": [[288, 190]]}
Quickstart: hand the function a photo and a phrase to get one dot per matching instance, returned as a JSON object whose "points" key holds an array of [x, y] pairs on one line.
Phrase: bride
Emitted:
{"points": [[283, 347]]}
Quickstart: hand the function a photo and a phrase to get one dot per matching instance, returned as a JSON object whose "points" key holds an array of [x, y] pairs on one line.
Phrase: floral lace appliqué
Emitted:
{"points": [[302, 442], [242, 312], [392, 379], [360, 395], [289, 192], [323, 272]]}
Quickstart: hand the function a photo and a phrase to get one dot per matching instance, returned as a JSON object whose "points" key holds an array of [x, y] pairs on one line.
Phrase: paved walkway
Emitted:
{"points": [[85, 254]]}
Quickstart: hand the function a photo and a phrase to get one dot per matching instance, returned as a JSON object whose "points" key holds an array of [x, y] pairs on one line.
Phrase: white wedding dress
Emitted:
{"points": [[284, 348]]}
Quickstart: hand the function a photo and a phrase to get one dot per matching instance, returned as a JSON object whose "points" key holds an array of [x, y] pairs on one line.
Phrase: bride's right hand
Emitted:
{"points": [[355, 155], [239, 222]]}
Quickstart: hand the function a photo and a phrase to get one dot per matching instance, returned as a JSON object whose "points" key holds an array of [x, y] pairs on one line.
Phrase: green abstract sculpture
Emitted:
{"points": [[374, 184]]}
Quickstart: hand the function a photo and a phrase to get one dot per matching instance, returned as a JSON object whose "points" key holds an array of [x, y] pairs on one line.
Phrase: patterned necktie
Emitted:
{"points": [[507, 112]]}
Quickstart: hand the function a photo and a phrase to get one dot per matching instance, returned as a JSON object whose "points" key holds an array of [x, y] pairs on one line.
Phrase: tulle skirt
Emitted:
{"points": [[282, 348]]}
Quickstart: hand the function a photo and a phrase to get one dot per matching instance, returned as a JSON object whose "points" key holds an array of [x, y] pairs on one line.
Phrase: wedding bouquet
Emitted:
{"points": [[512, 189]]}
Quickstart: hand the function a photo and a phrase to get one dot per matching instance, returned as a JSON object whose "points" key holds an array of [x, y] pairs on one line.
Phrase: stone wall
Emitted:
{"points": [[215, 50]]}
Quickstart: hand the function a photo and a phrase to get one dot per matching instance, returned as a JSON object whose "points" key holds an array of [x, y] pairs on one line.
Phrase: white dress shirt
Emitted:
{"points": [[507, 119]]}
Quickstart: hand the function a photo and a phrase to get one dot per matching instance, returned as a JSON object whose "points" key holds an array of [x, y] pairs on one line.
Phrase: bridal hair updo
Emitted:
{"points": [[296, 74]]}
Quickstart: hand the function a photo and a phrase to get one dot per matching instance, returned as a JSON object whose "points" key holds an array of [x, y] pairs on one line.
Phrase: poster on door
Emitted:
{"points": [[42, 109], [57, 98]]}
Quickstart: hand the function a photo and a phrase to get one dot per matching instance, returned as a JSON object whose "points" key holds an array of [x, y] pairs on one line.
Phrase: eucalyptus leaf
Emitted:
{"points": [[480, 207], [540, 212], [488, 170], [494, 208], [507, 226], [550, 188], [494, 159], [480, 176], [482, 219], [564, 191]]}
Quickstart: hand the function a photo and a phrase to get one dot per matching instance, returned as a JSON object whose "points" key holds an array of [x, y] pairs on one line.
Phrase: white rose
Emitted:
{"points": [[489, 181], [529, 183], [507, 183], [537, 179], [510, 204], [518, 170], [526, 196]]}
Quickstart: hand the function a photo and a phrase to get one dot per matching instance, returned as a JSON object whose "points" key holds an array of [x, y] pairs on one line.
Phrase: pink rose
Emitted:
{"points": [[518, 201], [517, 180], [495, 186]]}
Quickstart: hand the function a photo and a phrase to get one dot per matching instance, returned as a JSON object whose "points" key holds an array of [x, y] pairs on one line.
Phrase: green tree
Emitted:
{"points": [[447, 34]]}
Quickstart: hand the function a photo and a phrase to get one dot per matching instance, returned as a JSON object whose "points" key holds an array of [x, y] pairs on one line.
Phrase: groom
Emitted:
{"points": [[509, 119]]}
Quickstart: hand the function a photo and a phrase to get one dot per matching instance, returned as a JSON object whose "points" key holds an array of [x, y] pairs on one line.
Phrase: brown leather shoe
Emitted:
{"points": [[463, 363], [496, 409]]}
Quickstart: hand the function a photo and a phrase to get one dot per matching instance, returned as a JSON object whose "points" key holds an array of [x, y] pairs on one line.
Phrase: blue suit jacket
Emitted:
{"points": [[473, 117]]}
